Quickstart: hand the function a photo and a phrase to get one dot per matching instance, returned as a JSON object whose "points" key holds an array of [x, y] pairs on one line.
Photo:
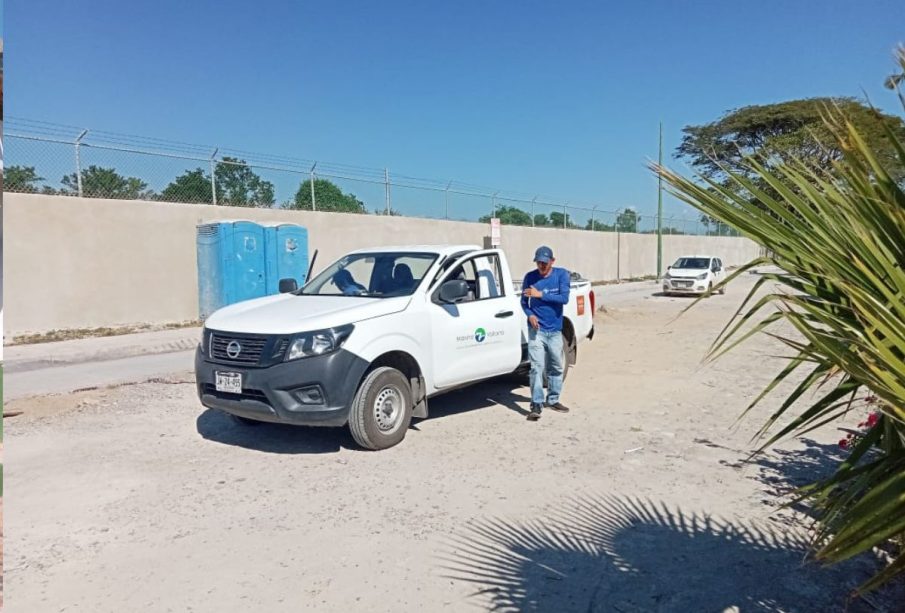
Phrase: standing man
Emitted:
{"points": [[545, 291]]}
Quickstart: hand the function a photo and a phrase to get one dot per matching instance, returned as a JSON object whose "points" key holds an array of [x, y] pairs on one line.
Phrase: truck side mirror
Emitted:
{"points": [[453, 291], [288, 285]]}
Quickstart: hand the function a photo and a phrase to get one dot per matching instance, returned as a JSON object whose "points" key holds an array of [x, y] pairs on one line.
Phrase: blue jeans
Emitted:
{"points": [[545, 353]]}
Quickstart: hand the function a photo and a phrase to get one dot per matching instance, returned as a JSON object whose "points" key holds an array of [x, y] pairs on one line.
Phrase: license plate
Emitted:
{"points": [[229, 382]]}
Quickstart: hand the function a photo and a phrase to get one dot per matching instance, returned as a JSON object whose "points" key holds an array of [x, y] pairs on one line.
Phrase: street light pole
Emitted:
{"points": [[313, 201], [660, 209]]}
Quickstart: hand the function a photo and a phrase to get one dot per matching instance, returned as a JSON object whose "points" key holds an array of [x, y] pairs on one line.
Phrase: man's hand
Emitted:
{"points": [[533, 292], [532, 320]]}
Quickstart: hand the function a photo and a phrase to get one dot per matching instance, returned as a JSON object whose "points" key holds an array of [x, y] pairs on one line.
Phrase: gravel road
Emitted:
{"points": [[135, 498]]}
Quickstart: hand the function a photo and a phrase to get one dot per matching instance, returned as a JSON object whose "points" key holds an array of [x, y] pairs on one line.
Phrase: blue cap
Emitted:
{"points": [[543, 254]]}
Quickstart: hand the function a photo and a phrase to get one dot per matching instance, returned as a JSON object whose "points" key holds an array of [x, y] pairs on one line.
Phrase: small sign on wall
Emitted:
{"points": [[495, 232]]}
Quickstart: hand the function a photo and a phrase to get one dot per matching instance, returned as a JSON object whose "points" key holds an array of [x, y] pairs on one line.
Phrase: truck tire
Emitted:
{"points": [[382, 409]]}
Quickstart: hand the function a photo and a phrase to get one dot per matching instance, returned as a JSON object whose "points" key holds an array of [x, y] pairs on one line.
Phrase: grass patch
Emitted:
{"points": [[69, 334]]}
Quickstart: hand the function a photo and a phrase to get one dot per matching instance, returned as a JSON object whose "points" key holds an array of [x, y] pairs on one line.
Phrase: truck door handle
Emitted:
{"points": [[504, 314]]}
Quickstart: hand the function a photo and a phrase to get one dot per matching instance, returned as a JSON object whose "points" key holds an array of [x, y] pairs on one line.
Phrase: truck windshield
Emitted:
{"points": [[372, 275]]}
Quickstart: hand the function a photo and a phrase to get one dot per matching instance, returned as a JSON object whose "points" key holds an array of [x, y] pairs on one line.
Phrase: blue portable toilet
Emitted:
{"points": [[231, 264], [287, 254]]}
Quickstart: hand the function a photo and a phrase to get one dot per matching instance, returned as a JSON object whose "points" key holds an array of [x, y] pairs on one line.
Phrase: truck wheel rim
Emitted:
{"points": [[388, 410]]}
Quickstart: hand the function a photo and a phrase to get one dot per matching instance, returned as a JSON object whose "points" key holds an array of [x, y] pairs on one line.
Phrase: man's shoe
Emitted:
{"points": [[558, 407], [534, 415]]}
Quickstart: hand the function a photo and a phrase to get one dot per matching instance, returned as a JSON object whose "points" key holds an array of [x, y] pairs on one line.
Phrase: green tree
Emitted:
{"points": [[239, 185], [192, 186], [557, 220], [510, 216], [835, 237], [327, 197], [599, 226], [99, 182], [783, 133], [541, 220], [21, 179], [627, 220]]}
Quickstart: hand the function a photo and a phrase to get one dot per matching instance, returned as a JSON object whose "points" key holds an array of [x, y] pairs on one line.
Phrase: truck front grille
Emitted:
{"points": [[235, 349]]}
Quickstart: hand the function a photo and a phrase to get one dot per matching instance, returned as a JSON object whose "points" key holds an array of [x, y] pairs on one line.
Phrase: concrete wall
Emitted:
{"points": [[78, 263]]}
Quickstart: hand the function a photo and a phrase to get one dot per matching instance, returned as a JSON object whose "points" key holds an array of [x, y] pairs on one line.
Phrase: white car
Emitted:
{"points": [[694, 274]]}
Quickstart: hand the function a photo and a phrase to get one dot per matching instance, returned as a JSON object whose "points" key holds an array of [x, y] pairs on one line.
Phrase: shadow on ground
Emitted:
{"points": [[501, 390], [794, 468], [272, 438], [281, 438], [606, 553], [784, 471]]}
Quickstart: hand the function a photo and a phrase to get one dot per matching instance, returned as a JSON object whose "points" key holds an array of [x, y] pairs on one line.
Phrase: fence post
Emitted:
{"points": [[213, 177], [593, 210], [533, 202], [446, 198], [78, 160], [313, 201], [493, 204], [565, 215], [386, 181]]}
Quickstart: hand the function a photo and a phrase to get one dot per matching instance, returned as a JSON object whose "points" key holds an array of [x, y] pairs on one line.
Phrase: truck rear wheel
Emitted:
{"points": [[382, 409]]}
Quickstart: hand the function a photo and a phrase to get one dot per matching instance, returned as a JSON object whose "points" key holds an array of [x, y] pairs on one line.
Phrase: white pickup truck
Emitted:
{"points": [[371, 338]]}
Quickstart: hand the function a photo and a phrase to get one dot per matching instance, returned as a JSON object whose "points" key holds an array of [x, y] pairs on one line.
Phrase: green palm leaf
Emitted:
{"points": [[838, 235]]}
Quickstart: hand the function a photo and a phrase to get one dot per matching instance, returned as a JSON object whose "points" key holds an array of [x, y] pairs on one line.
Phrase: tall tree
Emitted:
{"points": [[21, 179], [558, 220], [627, 220], [510, 216], [784, 133], [191, 186], [99, 182], [239, 185], [327, 197], [599, 226], [541, 220]]}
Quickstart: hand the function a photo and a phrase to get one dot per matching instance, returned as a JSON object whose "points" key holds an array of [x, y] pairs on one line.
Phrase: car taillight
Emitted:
{"points": [[581, 305], [593, 303]]}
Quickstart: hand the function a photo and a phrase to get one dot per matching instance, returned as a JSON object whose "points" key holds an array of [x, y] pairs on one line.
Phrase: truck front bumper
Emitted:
{"points": [[313, 391]]}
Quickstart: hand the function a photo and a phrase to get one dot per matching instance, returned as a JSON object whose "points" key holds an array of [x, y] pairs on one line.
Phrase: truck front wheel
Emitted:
{"points": [[382, 409]]}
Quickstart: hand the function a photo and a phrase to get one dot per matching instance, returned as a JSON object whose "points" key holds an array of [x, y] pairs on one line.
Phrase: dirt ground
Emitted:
{"points": [[137, 499]]}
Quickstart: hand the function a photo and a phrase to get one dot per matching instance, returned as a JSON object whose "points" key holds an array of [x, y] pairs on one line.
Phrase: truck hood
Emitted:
{"points": [[289, 314], [687, 273]]}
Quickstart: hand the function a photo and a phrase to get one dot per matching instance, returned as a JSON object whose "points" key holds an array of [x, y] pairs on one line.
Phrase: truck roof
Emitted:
{"points": [[442, 250]]}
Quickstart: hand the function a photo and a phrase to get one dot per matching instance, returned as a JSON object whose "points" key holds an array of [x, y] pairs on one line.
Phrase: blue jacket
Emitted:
{"points": [[548, 308]]}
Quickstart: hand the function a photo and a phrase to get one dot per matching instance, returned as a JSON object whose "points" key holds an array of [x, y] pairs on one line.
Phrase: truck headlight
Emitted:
{"points": [[701, 276], [203, 340], [318, 342]]}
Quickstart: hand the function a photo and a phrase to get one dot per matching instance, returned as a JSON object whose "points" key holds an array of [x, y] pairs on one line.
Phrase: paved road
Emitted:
{"points": [[70, 377], [30, 375]]}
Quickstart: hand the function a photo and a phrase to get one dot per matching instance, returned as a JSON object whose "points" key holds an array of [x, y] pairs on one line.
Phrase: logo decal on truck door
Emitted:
{"points": [[479, 338]]}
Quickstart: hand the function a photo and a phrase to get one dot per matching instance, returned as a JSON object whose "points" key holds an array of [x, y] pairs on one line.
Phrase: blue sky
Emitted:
{"points": [[525, 96]]}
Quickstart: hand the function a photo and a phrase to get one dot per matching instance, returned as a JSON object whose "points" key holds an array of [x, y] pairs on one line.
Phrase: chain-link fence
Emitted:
{"points": [[48, 158]]}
